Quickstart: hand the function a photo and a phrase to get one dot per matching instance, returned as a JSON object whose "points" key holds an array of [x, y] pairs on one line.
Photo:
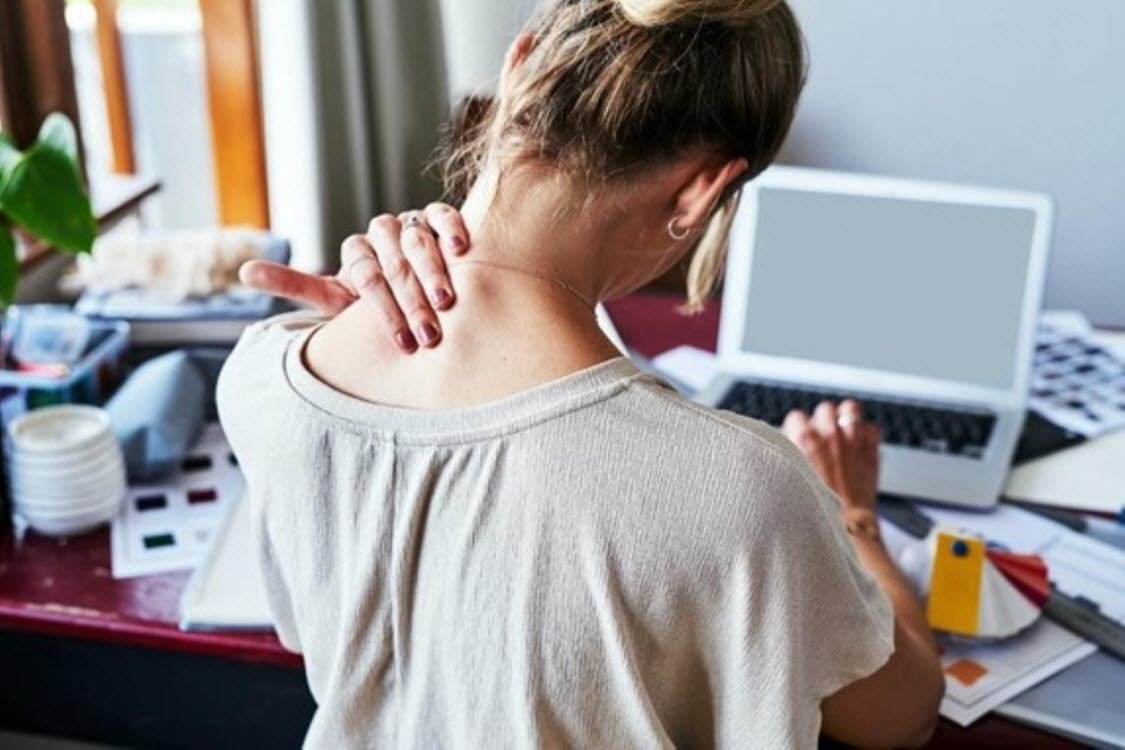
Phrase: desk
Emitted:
{"points": [[89, 657]]}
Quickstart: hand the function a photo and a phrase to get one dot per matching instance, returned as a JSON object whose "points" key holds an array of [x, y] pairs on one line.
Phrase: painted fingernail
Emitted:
{"points": [[442, 298], [428, 334], [459, 244], [406, 340]]}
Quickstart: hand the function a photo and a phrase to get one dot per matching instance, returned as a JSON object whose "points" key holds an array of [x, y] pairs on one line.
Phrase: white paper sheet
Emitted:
{"points": [[1005, 669], [1087, 477], [227, 591], [687, 366], [168, 526]]}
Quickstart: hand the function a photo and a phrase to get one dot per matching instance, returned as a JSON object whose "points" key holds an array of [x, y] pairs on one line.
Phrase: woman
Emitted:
{"points": [[517, 539]]}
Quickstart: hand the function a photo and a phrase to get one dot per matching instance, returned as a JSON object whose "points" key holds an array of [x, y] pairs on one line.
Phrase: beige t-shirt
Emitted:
{"points": [[593, 563]]}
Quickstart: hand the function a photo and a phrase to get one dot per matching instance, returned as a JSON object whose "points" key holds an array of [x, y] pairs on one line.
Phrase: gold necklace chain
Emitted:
{"points": [[591, 306]]}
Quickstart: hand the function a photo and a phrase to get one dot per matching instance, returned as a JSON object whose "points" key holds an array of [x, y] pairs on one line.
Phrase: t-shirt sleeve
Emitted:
{"points": [[803, 617], [250, 398], [853, 627]]}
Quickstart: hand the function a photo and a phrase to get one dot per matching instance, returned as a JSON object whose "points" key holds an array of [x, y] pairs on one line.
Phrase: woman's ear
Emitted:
{"points": [[698, 198], [517, 53]]}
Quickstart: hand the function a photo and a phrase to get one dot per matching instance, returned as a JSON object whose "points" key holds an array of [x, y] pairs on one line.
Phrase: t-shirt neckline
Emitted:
{"points": [[482, 421]]}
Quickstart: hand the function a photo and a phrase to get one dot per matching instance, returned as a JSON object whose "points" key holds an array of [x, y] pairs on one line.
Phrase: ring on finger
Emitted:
{"points": [[414, 220]]}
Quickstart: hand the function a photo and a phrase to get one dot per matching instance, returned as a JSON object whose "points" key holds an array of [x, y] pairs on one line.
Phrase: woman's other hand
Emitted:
{"points": [[842, 448], [398, 267]]}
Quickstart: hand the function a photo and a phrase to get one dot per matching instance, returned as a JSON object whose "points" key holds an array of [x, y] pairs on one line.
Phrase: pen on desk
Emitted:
{"points": [[1104, 530], [1110, 532], [1071, 519]]}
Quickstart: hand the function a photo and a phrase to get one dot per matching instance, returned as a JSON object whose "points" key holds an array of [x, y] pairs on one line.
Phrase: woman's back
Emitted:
{"points": [[593, 562]]}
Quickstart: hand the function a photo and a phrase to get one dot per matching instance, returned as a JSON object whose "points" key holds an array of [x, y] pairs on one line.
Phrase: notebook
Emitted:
{"points": [[227, 592]]}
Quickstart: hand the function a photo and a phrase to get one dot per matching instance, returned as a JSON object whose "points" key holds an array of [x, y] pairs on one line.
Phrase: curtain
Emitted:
{"points": [[354, 96]]}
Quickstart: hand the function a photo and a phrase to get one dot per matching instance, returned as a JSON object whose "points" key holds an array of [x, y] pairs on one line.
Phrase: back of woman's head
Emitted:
{"points": [[610, 87]]}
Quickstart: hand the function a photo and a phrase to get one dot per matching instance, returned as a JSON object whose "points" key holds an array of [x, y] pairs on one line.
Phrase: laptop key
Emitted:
{"points": [[973, 451]]}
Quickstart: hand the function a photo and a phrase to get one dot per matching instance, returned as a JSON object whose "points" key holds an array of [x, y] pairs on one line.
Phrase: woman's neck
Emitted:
{"points": [[529, 224], [513, 328]]}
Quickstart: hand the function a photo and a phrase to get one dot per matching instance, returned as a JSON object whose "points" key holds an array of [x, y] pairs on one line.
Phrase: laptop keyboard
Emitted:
{"points": [[914, 426]]}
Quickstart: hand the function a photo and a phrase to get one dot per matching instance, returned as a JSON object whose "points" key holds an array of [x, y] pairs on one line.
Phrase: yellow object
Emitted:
{"points": [[955, 585]]}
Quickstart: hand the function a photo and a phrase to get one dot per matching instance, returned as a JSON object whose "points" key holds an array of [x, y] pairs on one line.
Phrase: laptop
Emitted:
{"points": [[918, 299]]}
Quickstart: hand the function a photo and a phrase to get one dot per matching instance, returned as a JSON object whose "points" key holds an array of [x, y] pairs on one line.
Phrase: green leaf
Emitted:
{"points": [[42, 193], [9, 266], [9, 154], [58, 131]]}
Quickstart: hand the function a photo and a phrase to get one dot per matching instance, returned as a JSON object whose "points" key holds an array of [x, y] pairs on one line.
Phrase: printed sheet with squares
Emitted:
{"points": [[1077, 383], [168, 526]]}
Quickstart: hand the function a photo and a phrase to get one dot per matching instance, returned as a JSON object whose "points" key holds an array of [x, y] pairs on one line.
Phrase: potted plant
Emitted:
{"points": [[41, 193]]}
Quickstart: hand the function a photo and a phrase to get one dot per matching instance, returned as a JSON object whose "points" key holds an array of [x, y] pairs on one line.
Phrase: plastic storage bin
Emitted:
{"points": [[92, 380]]}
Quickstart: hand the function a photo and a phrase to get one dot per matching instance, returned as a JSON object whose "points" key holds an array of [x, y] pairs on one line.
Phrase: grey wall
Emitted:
{"points": [[1025, 94], [477, 34]]}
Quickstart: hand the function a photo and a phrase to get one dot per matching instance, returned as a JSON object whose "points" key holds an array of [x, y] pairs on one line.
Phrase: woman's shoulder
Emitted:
{"points": [[255, 370], [744, 463], [727, 437]]}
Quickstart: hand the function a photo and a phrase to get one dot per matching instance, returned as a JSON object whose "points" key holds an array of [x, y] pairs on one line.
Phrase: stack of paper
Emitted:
{"points": [[227, 592], [980, 677]]}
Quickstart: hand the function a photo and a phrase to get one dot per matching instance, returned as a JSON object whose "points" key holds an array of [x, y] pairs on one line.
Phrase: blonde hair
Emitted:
{"points": [[613, 86]]}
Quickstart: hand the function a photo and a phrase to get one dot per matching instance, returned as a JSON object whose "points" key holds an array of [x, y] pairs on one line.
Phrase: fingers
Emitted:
{"points": [[850, 419], [871, 440], [366, 274], [449, 226], [842, 448], [386, 236], [354, 252], [322, 293], [872, 434], [420, 247], [796, 424], [799, 429], [825, 418]]}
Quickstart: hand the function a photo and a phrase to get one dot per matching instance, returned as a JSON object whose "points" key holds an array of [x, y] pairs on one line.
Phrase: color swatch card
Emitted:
{"points": [[981, 676], [981, 591], [168, 526], [1079, 566]]}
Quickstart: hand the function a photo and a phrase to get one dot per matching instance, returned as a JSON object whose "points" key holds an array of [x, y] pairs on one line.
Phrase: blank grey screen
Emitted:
{"points": [[906, 286]]}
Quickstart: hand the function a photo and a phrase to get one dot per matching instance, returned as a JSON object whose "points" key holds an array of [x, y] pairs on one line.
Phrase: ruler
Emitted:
{"points": [[1083, 618]]}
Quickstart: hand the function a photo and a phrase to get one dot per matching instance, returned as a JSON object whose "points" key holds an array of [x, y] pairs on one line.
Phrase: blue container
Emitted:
{"points": [[91, 380]]}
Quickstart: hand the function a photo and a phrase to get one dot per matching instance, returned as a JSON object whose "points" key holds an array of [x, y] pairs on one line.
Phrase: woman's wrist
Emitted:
{"points": [[862, 523]]}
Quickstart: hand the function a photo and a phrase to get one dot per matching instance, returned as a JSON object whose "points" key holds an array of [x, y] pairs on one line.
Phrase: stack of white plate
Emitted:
{"points": [[65, 469]]}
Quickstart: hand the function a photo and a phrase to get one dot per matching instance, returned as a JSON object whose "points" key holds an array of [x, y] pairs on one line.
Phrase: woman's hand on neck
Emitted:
{"points": [[507, 334], [510, 331]]}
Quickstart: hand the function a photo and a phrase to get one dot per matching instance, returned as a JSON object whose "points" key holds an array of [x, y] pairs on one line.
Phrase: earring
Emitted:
{"points": [[677, 236]]}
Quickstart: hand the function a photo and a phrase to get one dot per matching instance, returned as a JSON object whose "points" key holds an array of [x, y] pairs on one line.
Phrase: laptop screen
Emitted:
{"points": [[907, 286]]}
